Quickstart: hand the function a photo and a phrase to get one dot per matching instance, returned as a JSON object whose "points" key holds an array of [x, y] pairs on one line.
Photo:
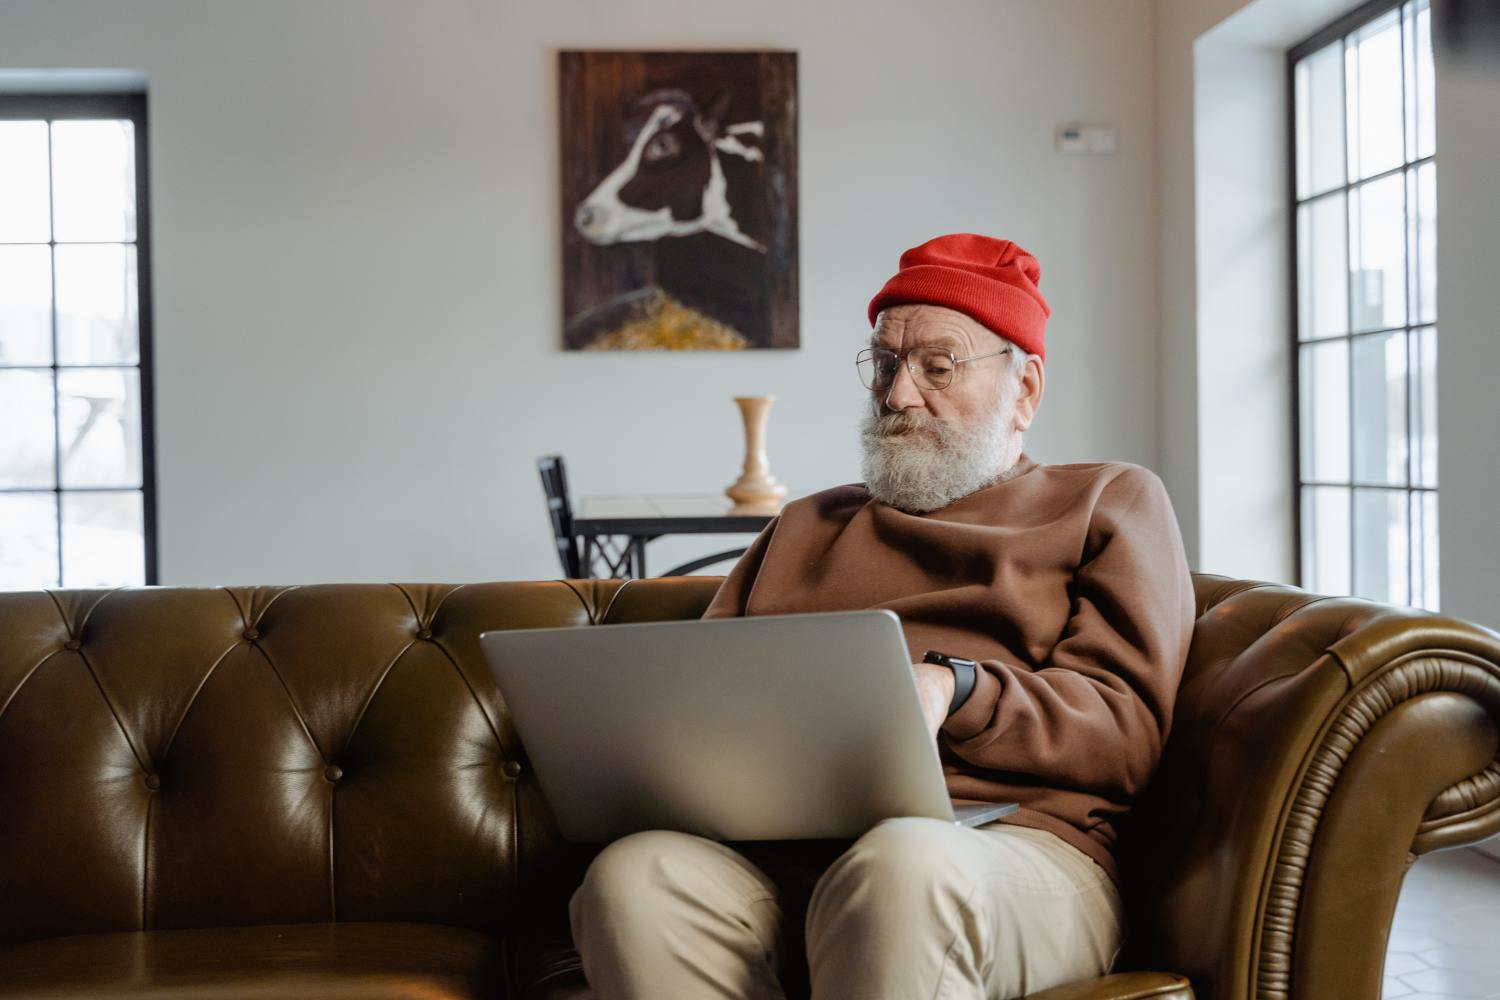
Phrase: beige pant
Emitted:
{"points": [[917, 908]]}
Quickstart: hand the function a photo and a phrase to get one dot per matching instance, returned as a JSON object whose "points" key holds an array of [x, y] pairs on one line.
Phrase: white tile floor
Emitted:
{"points": [[1445, 941]]}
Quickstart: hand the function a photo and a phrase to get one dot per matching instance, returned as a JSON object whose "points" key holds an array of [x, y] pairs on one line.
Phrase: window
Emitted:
{"points": [[1364, 194], [77, 498]]}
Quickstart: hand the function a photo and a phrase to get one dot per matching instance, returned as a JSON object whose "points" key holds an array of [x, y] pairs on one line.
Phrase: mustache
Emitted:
{"points": [[902, 423]]}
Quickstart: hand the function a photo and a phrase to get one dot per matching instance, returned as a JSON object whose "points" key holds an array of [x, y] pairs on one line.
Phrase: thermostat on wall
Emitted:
{"points": [[1100, 140]]}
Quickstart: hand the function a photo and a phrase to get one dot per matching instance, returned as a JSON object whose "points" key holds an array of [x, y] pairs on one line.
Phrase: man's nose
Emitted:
{"points": [[903, 393]]}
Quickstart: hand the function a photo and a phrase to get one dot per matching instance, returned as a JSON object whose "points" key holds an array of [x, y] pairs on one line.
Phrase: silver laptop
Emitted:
{"points": [[772, 728]]}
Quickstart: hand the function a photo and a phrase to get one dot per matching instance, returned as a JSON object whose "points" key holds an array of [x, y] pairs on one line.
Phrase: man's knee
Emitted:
{"points": [[634, 869], [900, 864], [657, 875]]}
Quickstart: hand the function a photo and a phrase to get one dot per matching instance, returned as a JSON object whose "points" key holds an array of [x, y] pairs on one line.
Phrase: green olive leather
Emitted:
{"points": [[202, 790], [1122, 986], [326, 960]]}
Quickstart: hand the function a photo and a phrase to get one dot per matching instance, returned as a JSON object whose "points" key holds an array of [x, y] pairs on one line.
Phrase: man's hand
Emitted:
{"points": [[935, 684]]}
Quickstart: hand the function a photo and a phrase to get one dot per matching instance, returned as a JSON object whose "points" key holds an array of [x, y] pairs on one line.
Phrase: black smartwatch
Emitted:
{"points": [[965, 675]]}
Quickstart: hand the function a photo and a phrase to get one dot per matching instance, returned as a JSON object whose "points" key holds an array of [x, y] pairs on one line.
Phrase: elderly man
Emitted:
{"points": [[1068, 585]]}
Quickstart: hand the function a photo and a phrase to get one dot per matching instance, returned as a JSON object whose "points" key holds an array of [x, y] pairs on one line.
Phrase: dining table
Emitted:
{"points": [[614, 530]]}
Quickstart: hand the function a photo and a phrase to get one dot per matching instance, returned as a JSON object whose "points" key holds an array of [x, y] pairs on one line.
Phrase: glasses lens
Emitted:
{"points": [[876, 368], [932, 366]]}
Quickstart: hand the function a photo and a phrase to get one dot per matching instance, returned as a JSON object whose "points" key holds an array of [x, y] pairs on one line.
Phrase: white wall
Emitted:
{"points": [[1468, 169], [1243, 360], [1202, 463], [1220, 234], [357, 276], [1241, 353], [1222, 256]]}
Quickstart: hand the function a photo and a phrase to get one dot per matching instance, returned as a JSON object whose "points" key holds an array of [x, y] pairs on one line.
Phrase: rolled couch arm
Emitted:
{"points": [[1319, 746], [1122, 986]]}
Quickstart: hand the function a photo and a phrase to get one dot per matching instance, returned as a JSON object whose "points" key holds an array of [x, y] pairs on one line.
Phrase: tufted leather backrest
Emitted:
{"points": [[192, 757]]}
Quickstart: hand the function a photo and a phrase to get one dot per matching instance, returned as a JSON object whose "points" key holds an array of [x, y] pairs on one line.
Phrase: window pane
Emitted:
{"points": [[28, 545], [100, 417], [102, 540], [27, 451], [1325, 411], [93, 175], [25, 305], [1424, 532], [1377, 240], [1320, 121], [1380, 409], [96, 305], [1423, 109], [1424, 439], [1409, 79], [1421, 200], [1372, 72], [1381, 566], [1322, 268], [1325, 539], [23, 183]]}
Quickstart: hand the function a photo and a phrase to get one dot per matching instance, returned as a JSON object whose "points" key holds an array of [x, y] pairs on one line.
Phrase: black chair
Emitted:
{"points": [[560, 509], [621, 557]]}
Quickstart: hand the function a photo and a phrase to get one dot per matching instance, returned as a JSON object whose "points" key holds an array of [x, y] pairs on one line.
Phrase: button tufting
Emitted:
{"points": [[251, 634], [424, 633], [153, 782], [512, 769], [333, 772], [73, 645]]}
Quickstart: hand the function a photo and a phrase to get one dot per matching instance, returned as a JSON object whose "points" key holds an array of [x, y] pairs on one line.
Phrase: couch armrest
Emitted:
{"points": [[1405, 764], [1319, 745], [1122, 986]]}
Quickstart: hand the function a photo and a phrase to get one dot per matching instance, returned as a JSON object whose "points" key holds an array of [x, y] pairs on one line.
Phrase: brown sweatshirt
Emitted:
{"points": [[1067, 583]]}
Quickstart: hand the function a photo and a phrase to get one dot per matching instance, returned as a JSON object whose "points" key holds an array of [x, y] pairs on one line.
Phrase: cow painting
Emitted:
{"points": [[679, 200], [673, 182]]}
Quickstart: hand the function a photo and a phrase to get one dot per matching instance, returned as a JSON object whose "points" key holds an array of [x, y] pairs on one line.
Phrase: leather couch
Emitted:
{"points": [[315, 792]]}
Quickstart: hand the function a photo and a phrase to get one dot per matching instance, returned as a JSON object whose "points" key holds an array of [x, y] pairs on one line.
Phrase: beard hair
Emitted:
{"points": [[918, 463]]}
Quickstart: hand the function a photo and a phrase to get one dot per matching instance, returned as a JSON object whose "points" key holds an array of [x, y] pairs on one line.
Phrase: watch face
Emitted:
{"points": [[933, 656]]}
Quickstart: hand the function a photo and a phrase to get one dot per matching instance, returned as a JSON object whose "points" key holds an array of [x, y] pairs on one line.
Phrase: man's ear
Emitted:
{"points": [[710, 121], [1033, 383]]}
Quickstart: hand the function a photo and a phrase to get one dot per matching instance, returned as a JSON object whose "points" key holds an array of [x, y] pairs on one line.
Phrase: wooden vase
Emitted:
{"points": [[756, 489]]}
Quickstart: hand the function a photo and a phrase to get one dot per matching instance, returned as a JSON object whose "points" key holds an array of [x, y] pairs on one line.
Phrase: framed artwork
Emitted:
{"points": [[679, 200]]}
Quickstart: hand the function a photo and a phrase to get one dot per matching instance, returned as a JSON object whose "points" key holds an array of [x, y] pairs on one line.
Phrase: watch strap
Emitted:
{"points": [[965, 676]]}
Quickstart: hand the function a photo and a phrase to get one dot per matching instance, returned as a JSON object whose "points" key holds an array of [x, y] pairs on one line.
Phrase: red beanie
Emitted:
{"points": [[992, 281]]}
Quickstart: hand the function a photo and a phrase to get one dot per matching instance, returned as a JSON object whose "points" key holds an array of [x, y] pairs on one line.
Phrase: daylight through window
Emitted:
{"points": [[76, 477], [1365, 194]]}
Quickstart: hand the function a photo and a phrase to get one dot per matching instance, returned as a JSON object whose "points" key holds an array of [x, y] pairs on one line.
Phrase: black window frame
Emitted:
{"points": [[1335, 31], [132, 107]]}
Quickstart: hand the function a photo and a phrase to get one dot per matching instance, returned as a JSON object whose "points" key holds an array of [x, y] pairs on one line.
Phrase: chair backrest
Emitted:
{"points": [[560, 510]]}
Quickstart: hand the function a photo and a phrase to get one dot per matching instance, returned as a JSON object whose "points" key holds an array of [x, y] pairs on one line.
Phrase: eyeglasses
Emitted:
{"points": [[930, 367]]}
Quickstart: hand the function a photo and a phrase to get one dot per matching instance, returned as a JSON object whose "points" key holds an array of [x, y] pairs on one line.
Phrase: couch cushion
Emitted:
{"points": [[550, 969], [341, 961]]}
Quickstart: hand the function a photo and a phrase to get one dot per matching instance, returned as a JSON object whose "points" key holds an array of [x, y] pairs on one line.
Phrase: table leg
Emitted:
{"points": [[638, 557]]}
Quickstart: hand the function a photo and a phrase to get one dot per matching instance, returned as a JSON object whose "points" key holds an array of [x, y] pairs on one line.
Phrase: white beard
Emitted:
{"points": [[917, 463]]}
